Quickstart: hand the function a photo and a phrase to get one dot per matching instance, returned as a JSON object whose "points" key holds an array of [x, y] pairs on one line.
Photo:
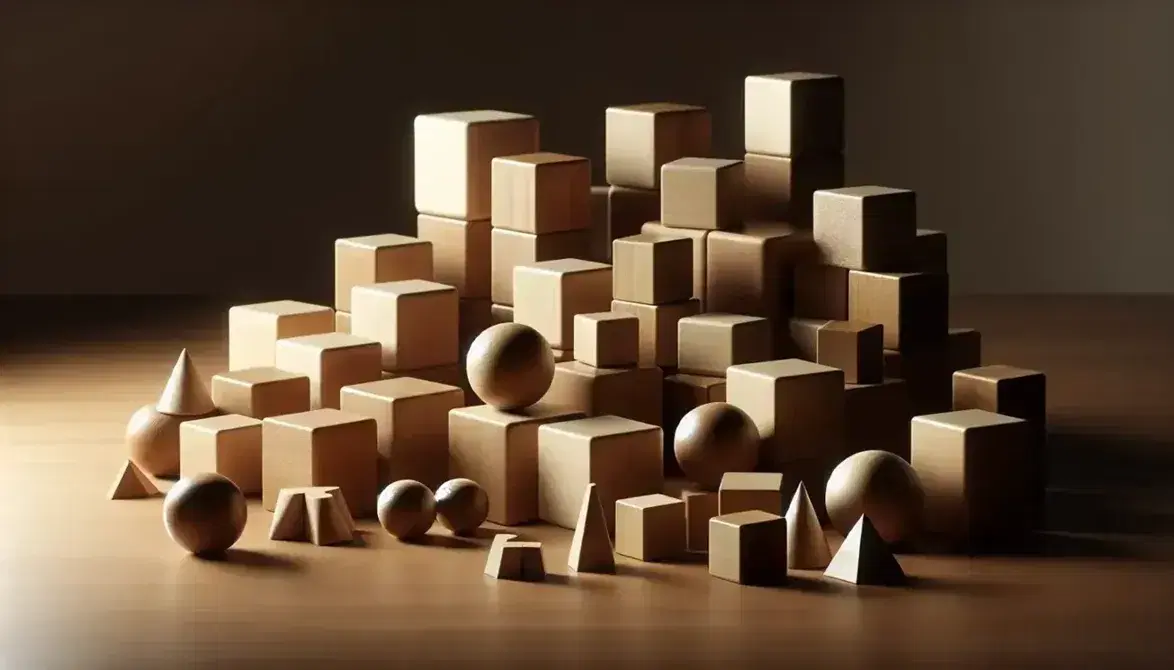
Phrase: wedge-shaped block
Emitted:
{"points": [[698, 238], [548, 295], [700, 507], [261, 392], [930, 252], [794, 113], [650, 527], [632, 392], [640, 138], [742, 491], [253, 330], [702, 193], [229, 445], [876, 417], [709, 343], [330, 361], [821, 292], [628, 209], [683, 394], [802, 338], [541, 192], [914, 309], [460, 253], [511, 248], [865, 227], [375, 259], [607, 339], [322, 447], [780, 188], [416, 322], [319, 515], [653, 269], [658, 328], [751, 271], [855, 347], [748, 548]]}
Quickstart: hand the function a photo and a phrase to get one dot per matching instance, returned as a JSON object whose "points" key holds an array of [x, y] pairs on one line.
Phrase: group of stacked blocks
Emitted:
{"points": [[817, 310]]}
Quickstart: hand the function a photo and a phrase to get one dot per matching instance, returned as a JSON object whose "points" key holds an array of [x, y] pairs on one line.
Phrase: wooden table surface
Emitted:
{"points": [[89, 583]]}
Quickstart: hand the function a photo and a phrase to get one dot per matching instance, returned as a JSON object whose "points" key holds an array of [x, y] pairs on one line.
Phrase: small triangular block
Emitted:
{"points": [[290, 520], [185, 393], [591, 548], [329, 522], [807, 546], [864, 559], [132, 483], [498, 564]]}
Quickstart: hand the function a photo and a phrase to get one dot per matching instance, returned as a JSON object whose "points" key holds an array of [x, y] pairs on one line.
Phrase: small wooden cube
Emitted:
{"points": [[876, 417], [794, 113], [511, 248], [803, 338], [630, 392], [658, 328], [780, 188], [914, 309], [749, 548], [501, 314], [742, 491], [331, 361], [548, 295], [855, 347], [322, 447], [261, 392], [541, 192], [499, 451], [375, 259], [342, 322], [683, 394], [700, 507], [600, 241], [607, 339], [930, 252], [650, 527], [702, 193], [416, 322], [460, 253], [653, 270], [709, 343], [229, 445], [640, 138], [628, 209], [620, 456], [865, 227], [253, 330], [751, 271], [698, 238], [821, 292], [453, 158]]}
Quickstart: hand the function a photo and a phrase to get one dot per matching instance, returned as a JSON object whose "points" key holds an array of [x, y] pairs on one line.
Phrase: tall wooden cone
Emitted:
{"points": [[807, 546], [185, 393], [591, 548], [132, 483], [865, 559]]}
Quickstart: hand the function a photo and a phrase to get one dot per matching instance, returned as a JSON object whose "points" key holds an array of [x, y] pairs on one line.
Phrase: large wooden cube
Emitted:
{"points": [[229, 445], [780, 188], [330, 361], [750, 271], [865, 227], [749, 548], [876, 416], [821, 292], [709, 343], [653, 270], [541, 192], [460, 254], [855, 347], [607, 339], [640, 138], [930, 252], [253, 330], [651, 527], [914, 309], [742, 491], [375, 259], [698, 238], [794, 114], [261, 392], [548, 295], [511, 248], [702, 193], [628, 209], [630, 392], [658, 328], [416, 322]]}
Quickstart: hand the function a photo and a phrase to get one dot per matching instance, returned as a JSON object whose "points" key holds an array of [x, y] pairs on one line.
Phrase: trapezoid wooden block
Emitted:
{"points": [[514, 560], [460, 253], [650, 527], [261, 392], [132, 483], [548, 295], [794, 114], [708, 344], [253, 330], [541, 192], [330, 361], [702, 193], [640, 138], [591, 547], [748, 548], [871, 228], [864, 559], [315, 514], [376, 259]]}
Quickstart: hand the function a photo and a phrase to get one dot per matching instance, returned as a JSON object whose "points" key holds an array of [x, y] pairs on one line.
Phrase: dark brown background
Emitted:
{"points": [[220, 146]]}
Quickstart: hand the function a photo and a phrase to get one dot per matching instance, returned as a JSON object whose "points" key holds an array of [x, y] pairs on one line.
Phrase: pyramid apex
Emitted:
{"points": [[132, 483], [865, 559], [185, 393]]}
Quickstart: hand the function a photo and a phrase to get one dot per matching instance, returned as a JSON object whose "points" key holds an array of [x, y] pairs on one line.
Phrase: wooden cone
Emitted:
{"points": [[185, 393], [864, 559], [807, 546], [591, 548], [132, 483]]}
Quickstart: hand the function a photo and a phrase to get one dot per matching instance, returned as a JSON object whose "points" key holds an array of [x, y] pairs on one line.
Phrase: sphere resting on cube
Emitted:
{"points": [[406, 509], [462, 505], [510, 366], [880, 485], [205, 514], [713, 439]]}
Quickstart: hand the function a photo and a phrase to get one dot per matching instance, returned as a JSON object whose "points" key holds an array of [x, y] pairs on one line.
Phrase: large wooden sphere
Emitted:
{"points": [[713, 439], [406, 509], [880, 485], [510, 366], [462, 505], [152, 438], [205, 514]]}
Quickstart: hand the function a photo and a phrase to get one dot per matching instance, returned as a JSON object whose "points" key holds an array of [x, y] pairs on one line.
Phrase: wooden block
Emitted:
{"points": [[682, 394], [322, 447], [633, 392], [499, 451], [600, 241], [641, 138], [821, 292], [702, 193], [797, 405], [330, 361], [533, 565], [132, 484], [698, 238], [460, 253], [375, 259], [412, 419], [748, 548], [865, 559], [453, 157], [498, 564], [416, 322], [700, 507], [855, 347], [628, 209], [591, 546], [930, 252], [316, 514], [512, 248], [261, 392], [803, 338], [650, 527], [965, 348], [228, 445], [501, 314], [476, 314], [653, 269], [780, 188], [607, 339], [620, 456], [876, 417], [709, 343], [742, 491], [548, 295], [913, 308], [342, 322], [794, 113], [977, 471], [541, 193], [926, 373], [658, 328], [865, 227], [253, 330], [751, 271]]}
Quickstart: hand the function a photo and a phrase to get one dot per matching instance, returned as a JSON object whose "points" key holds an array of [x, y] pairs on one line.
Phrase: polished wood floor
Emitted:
{"points": [[87, 583]]}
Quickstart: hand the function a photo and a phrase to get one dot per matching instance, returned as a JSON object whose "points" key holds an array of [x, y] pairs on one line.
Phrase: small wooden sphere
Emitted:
{"points": [[510, 366], [713, 439], [205, 514], [880, 485], [462, 505], [406, 509], [152, 438]]}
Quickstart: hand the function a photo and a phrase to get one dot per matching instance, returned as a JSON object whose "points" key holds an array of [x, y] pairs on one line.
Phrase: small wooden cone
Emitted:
{"points": [[185, 393], [864, 559], [807, 546], [591, 547], [132, 483]]}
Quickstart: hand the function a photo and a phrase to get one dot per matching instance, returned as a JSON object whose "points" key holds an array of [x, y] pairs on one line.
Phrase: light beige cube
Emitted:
{"points": [[548, 295], [330, 361], [702, 193], [261, 392], [607, 339], [511, 248], [749, 548], [698, 238], [322, 447], [374, 259], [416, 322], [708, 344], [653, 269], [541, 192], [460, 253], [743, 491], [794, 114], [229, 445], [865, 227], [640, 138], [253, 330], [650, 527]]}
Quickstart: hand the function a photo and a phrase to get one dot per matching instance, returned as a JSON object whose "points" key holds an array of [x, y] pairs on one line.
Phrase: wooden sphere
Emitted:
{"points": [[880, 485], [462, 505], [713, 439], [510, 366], [406, 509], [152, 438], [205, 514]]}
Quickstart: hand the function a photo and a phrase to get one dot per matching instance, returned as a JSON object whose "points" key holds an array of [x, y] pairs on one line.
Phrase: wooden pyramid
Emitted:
{"points": [[807, 546], [591, 548], [864, 559], [132, 483], [513, 560], [185, 393], [317, 514]]}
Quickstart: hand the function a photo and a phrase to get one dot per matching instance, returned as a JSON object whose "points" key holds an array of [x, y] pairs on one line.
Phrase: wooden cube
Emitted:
{"points": [[702, 193], [607, 339], [709, 343], [548, 295], [876, 416], [229, 445], [253, 330], [639, 139], [650, 527], [631, 392], [453, 156], [914, 309], [797, 405], [375, 259], [794, 114], [342, 322], [416, 322], [780, 188], [460, 253], [855, 347], [700, 507], [541, 192], [628, 209], [748, 548], [653, 270], [698, 238], [742, 491], [802, 338], [930, 252], [821, 292], [476, 314], [965, 348], [322, 447], [331, 361], [261, 392], [511, 248], [751, 271], [658, 328], [499, 451], [620, 456], [865, 227], [501, 314], [600, 240]]}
